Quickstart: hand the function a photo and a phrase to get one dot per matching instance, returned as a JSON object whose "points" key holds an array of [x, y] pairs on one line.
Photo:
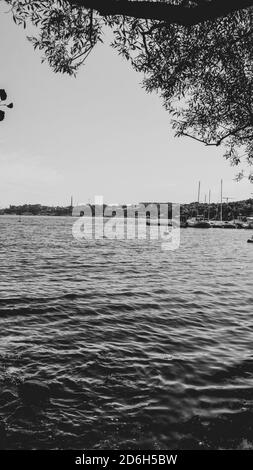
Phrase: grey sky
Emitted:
{"points": [[100, 133]]}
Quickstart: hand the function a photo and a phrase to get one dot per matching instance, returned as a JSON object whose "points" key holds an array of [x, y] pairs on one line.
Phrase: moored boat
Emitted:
{"points": [[229, 225], [197, 222], [183, 224], [216, 224], [159, 222], [250, 222]]}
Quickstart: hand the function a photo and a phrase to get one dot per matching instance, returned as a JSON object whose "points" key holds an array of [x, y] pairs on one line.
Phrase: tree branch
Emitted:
{"points": [[220, 140], [216, 144], [166, 12]]}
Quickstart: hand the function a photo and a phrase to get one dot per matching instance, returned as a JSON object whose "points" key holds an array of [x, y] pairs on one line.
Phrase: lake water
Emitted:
{"points": [[141, 348]]}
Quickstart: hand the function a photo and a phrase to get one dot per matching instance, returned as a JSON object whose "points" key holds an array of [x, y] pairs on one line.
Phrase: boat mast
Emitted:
{"points": [[221, 199], [209, 202], [198, 199]]}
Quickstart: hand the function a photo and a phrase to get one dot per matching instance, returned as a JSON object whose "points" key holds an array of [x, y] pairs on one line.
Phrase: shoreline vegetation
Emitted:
{"points": [[231, 210]]}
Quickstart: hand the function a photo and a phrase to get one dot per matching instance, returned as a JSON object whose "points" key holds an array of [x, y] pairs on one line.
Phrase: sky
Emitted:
{"points": [[97, 134]]}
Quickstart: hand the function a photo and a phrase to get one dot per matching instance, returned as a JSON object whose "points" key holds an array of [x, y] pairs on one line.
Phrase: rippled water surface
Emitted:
{"points": [[141, 348]]}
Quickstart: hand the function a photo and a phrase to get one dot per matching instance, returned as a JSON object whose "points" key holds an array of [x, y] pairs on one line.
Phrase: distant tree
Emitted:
{"points": [[3, 98], [197, 54]]}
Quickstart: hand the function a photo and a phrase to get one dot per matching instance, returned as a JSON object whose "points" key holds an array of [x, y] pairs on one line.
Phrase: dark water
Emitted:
{"points": [[141, 349]]}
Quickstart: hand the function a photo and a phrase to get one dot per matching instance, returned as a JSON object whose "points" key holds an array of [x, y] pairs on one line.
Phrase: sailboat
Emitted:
{"points": [[198, 221], [222, 223]]}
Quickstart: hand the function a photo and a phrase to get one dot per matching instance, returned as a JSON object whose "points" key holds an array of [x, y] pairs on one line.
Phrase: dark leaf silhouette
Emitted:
{"points": [[3, 95], [2, 114], [10, 105]]}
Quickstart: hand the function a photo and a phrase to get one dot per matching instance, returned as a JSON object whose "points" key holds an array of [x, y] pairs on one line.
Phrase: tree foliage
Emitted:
{"points": [[202, 68]]}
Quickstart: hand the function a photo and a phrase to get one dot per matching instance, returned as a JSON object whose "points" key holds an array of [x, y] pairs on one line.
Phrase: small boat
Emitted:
{"points": [[183, 224], [159, 222], [222, 224], [250, 222], [250, 240], [229, 225], [216, 224], [197, 222]]}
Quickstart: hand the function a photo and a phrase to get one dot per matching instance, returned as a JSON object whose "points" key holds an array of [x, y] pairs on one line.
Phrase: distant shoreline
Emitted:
{"points": [[231, 210]]}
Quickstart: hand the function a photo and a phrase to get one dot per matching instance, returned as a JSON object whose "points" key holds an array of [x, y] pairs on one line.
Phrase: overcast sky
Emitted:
{"points": [[97, 134]]}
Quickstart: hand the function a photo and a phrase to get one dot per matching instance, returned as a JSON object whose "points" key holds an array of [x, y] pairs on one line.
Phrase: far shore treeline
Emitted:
{"points": [[231, 210]]}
